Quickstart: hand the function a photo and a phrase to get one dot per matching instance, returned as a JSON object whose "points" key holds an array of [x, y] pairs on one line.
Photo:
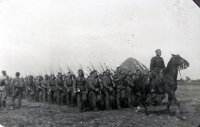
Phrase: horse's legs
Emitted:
{"points": [[169, 103], [173, 96]]}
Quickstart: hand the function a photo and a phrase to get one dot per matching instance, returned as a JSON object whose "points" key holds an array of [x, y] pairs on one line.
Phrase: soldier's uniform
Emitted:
{"points": [[68, 84], [3, 87], [45, 83], [119, 79], [38, 90], [157, 64], [52, 89], [156, 67], [60, 89], [80, 88], [108, 90], [18, 86], [95, 91], [130, 84], [29, 88]]}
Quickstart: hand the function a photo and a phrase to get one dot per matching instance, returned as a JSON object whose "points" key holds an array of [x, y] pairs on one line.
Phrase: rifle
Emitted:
{"points": [[102, 68], [51, 69], [106, 66], [69, 70], [89, 69], [92, 66], [60, 69], [80, 67]]}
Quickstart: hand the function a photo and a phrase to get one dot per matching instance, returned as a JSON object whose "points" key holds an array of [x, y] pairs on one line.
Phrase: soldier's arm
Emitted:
{"points": [[90, 85], [65, 84], [130, 81], [26, 86], [58, 86], [48, 85], [74, 84], [104, 84], [22, 84], [115, 79], [36, 85], [163, 63], [43, 85], [152, 64], [86, 86]]}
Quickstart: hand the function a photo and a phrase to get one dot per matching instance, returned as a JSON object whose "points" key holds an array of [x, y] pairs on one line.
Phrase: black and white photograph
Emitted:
{"points": [[99, 63]]}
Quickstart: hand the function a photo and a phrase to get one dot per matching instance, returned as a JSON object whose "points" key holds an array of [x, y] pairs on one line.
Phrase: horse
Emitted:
{"points": [[169, 87]]}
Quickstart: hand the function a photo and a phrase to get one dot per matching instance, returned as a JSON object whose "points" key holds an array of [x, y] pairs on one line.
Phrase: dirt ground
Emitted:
{"points": [[45, 115]]}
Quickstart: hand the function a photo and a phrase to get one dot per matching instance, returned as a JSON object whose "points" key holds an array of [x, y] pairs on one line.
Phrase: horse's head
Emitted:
{"points": [[180, 62]]}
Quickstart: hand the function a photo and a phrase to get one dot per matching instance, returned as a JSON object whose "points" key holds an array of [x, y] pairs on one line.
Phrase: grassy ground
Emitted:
{"points": [[44, 115]]}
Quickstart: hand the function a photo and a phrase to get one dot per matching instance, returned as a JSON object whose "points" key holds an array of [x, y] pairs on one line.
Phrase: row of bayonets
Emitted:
{"points": [[89, 69]]}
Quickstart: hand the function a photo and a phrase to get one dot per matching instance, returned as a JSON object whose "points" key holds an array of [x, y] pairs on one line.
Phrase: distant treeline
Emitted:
{"points": [[189, 82]]}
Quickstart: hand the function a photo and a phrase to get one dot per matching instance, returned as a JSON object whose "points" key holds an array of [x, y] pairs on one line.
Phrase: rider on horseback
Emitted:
{"points": [[156, 67]]}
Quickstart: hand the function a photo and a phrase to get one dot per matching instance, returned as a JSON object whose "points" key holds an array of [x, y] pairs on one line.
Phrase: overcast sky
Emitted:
{"points": [[37, 35]]}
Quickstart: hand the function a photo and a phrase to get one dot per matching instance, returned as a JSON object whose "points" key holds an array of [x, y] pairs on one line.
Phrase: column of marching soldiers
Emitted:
{"points": [[98, 91]]}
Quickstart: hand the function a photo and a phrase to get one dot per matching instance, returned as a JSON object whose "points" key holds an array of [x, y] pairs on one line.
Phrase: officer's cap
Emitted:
{"points": [[157, 50]]}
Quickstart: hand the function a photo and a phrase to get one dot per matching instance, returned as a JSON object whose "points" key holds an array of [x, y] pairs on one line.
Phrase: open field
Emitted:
{"points": [[44, 115]]}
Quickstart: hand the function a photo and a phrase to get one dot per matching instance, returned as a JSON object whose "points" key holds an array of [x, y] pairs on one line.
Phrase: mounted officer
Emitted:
{"points": [[157, 66]]}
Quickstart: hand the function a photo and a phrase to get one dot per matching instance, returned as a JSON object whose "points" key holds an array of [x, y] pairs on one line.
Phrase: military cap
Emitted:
{"points": [[92, 72], [138, 70], [80, 70], [118, 68], [17, 73], [3, 72], [157, 50]]}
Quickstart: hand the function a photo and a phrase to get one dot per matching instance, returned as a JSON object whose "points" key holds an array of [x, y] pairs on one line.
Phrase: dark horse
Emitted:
{"points": [[169, 86]]}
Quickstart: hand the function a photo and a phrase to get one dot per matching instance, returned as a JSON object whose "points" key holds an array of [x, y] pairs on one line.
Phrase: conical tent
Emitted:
{"points": [[132, 65]]}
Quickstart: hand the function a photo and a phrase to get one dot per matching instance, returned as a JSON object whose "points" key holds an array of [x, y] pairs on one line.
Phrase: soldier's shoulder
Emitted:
{"points": [[161, 58], [155, 57]]}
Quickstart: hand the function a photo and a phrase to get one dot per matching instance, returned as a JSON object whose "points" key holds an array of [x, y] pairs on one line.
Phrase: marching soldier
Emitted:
{"points": [[45, 83], [130, 84], [4, 79], [29, 88], [38, 90], [18, 86], [52, 89], [119, 79], [95, 90], [60, 89], [80, 88], [108, 90], [68, 84]]}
